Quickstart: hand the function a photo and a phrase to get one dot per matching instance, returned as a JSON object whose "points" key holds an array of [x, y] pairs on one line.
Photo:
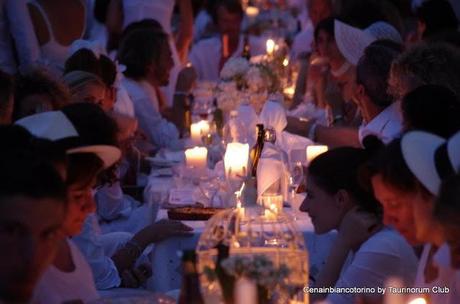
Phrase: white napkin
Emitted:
{"points": [[273, 115], [269, 172], [294, 145]]}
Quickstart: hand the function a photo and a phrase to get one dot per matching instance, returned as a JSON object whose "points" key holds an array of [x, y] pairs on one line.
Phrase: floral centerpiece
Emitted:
{"points": [[243, 81]]}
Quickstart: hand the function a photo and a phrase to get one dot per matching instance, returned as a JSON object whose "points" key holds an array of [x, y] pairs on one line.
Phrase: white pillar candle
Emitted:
{"points": [[198, 130], [273, 202], [236, 160], [196, 157], [270, 47], [315, 150], [245, 291]]}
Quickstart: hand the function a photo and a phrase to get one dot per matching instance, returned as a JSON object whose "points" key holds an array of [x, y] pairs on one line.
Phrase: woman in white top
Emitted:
{"points": [[57, 24], [366, 253], [69, 278]]}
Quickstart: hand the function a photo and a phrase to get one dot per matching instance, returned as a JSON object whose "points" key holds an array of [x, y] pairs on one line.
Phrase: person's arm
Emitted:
{"points": [[331, 136], [184, 35], [22, 31], [356, 227]]}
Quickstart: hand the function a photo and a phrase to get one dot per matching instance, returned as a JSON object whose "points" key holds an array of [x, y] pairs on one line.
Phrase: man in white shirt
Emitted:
{"points": [[209, 55], [381, 116]]}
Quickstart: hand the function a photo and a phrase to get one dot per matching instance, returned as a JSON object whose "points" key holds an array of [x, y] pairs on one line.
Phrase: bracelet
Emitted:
{"points": [[312, 131], [336, 119]]}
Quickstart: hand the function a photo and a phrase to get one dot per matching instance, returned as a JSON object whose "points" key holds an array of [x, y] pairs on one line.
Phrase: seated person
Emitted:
{"points": [[431, 108], [208, 56], [145, 53], [87, 87], [32, 210], [366, 252], [38, 92]]}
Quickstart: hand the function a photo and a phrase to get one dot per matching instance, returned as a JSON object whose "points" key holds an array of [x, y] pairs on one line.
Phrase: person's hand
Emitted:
{"points": [[134, 278], [186, 79], [165, 229], [357, 227]]}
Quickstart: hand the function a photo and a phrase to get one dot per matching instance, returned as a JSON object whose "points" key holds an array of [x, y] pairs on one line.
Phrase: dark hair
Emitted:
{"points": [[451, 37], [144, 24], [389, 163], [100, 10], [140, 48], [326, 25], [372, 72], [39, 82], [438, 16], [94, 127], [339, 169], [432, 108], [232, 6], [86, 60], [28, 166], [447, 206], [82, 168]]}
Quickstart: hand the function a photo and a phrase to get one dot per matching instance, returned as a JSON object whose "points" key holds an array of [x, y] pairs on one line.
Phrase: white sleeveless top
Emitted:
{"points": [[54, 54], [56, 286]]}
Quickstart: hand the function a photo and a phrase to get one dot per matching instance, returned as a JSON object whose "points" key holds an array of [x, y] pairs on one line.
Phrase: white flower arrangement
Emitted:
{"points": [[234, 68]]}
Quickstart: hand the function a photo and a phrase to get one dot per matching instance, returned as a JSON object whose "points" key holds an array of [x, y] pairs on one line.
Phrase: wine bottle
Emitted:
{"points": [[256, 151], [190, 292]]}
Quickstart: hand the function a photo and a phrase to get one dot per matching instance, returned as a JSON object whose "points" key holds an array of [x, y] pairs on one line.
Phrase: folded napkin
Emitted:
{"points": [[269, 176], [294, 145]]}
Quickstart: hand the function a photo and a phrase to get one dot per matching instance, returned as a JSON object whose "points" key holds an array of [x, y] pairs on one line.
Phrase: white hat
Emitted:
{"points": [[352, 41], [431, 158], [57, 127]]}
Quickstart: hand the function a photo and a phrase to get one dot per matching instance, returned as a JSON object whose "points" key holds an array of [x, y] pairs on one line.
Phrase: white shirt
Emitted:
{"points": [[205, 55], [91, 245], [159, 131], [302, 41], [386, 126], [386, 254], [56, 286]]}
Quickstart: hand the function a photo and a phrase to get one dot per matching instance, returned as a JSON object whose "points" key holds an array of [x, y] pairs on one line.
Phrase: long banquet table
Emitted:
{"points": [[166, 262]]}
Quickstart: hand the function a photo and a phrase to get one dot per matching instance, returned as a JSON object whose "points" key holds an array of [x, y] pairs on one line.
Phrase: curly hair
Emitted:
{"points": [[40, 82], [435, 63]]}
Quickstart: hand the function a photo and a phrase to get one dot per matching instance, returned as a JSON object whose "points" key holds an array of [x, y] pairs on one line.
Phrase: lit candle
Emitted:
{"points": [[285, 62], [245, 291], [198, 130], [252, 12], [315, 150], [270, 47], [196, 157], [240, 209], [269, 215], [236, 160], [289, 91], [273, 202]]}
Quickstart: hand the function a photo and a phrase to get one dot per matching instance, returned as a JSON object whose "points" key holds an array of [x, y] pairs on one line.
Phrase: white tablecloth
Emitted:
{"points": [[166, 263]]}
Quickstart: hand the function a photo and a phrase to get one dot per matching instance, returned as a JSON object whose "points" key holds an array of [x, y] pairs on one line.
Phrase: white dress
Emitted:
{"points": [[447, 276], [56, 286], [386, 254], [159, 131], [161, 11], [53, 54]]}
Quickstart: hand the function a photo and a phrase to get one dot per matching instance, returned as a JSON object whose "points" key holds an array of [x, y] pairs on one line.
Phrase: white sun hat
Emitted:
{"points": [[55, 126], [352, 41], [431, 158]]}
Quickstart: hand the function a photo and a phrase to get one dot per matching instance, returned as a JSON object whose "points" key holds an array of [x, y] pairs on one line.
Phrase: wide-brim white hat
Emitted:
{"points": [[431, 158], [57, 127], [351, 41]]}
